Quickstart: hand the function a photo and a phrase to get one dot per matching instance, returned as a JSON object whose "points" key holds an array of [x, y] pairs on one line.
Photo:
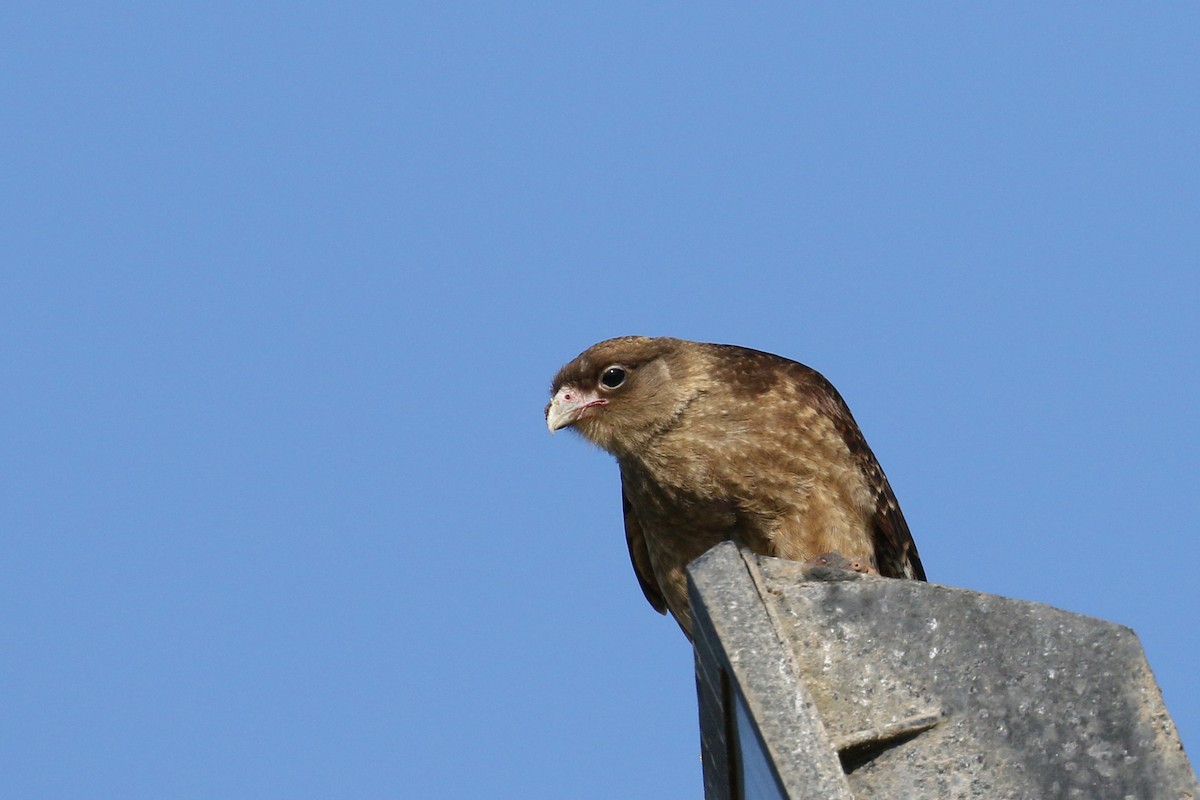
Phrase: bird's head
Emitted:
{"points": [[620, 392]]}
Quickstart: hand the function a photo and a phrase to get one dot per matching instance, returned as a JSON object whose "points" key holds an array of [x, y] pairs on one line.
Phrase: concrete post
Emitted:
{"points": [[820, 683]]}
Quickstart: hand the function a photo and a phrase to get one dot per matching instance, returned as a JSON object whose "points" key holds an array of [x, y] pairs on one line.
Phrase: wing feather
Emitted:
{"points": [[639, 554], [754, 372], [895, 551]]}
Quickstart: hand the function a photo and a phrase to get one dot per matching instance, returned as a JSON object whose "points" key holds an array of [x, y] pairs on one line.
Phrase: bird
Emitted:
{"points": [[719, 442]]}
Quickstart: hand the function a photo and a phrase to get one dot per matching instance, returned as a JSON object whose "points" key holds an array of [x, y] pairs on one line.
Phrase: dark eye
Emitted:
{"points": [[613, 377]]}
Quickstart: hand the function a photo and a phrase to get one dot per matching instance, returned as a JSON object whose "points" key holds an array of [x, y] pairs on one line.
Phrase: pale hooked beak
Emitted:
{"points": [[569, 405]]}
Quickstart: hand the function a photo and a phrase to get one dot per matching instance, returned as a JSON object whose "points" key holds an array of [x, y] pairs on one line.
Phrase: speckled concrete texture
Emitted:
{"points": [[926, 691]]}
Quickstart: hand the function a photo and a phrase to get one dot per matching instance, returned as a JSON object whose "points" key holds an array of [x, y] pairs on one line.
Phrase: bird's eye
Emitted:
{"points": [[613, 377]]}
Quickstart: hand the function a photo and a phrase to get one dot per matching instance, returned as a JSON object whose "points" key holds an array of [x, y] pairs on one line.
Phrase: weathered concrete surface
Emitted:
{"points": [[913, 690], [738, 651]]}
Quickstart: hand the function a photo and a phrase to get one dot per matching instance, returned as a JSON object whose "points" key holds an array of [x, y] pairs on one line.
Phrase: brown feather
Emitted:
{"points": [[640, 557], [718, 441], [895, 551]]}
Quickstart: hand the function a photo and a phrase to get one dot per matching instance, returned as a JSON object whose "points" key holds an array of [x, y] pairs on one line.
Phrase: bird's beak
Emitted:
{"points": [[569, 405]]}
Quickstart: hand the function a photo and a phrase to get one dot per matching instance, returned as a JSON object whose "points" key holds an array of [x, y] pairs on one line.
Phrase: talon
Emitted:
{"points": [[833, 560], [836, 560]]}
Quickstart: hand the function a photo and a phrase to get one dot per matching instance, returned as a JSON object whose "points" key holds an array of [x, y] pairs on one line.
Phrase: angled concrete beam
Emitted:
{"points": [[857, 686]]}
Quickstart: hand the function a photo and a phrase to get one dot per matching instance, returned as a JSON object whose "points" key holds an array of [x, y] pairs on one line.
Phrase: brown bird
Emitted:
{"points": [[721, 442]]}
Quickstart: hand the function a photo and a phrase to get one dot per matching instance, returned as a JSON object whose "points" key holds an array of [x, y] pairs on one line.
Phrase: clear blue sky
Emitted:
{"points": [[284, 286]]}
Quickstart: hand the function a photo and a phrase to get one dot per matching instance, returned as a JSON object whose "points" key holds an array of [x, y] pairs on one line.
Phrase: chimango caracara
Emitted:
{"points": [[717, 442]]}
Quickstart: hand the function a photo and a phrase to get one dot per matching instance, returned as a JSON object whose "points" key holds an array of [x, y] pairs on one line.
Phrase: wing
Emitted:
{"points": [[895, 551], [639, 554], [753, 372]]}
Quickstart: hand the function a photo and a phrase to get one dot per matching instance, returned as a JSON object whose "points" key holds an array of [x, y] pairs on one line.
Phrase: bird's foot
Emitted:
{"points": [[836, 560]]}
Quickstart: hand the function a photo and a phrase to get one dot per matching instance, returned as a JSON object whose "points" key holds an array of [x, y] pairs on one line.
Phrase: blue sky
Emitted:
{"points": [[284, 287]]}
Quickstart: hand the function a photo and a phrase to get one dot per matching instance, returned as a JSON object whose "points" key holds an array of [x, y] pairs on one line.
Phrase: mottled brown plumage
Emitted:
{"points": [[717, 442]]}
